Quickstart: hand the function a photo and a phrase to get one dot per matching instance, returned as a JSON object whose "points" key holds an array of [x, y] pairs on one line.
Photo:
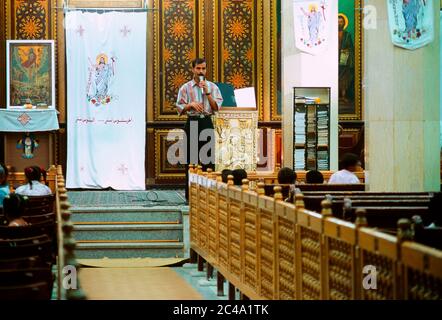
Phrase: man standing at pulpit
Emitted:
{"points": [[199, 99]]}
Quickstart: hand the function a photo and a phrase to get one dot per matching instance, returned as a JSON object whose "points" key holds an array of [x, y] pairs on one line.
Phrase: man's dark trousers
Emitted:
{"points": [[198, 124]]}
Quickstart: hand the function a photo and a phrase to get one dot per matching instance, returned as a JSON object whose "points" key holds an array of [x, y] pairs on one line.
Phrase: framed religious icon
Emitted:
{"points": [[30, 70], [350, 59]]}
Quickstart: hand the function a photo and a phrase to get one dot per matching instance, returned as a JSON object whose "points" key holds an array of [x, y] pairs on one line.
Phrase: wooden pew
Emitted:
{"points": [[19, 248], [313, 199], [272, 178], [382, 211], [47, 245], [422, 272], [431, 237], [29, 283], [42, 218], [17, 179], [329, 188], [31, 261], [36, 229], [382, 252], [32, 291], [266, 250], [38, 205], [340, 262], [284, 251], [287, 246]]}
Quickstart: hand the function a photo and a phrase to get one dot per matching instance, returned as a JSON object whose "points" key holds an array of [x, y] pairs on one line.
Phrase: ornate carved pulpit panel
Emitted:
{"points": [[236, 139]]}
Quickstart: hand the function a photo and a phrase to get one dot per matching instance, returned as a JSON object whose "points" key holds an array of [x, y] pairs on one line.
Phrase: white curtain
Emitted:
{"points": [[106, 94]]}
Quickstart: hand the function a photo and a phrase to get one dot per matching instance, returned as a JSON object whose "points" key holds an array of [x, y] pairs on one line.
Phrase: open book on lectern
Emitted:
{"points": [[240, 98]]}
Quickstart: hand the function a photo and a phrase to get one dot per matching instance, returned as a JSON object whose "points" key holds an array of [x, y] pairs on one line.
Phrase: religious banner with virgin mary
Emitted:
{"points": [[411, 23], [312, 25], [106, 100]]}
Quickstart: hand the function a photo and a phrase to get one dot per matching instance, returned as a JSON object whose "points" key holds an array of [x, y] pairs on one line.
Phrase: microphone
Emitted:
{"points": [[202, 89]]}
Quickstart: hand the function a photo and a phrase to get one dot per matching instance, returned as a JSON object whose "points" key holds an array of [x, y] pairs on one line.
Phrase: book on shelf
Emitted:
{"points": [[307, 100], [311, 132]]}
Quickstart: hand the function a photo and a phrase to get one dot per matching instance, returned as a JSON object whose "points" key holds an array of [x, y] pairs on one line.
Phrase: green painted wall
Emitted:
{"points": [[347, 7]]}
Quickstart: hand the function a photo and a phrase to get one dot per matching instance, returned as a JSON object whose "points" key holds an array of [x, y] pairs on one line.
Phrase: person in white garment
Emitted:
{"points": [[34, 187], [349, 163]]}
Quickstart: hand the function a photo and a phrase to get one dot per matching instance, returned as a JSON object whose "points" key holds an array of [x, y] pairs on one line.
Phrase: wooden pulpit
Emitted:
{"points": [[236, 139]]}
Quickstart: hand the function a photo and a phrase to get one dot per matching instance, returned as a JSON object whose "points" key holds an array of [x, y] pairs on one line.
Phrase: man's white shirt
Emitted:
{"points": [[343, 177]]}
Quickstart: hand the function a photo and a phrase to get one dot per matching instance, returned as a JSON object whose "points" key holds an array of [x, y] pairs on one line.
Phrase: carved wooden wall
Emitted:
{"points": [[239, 38], [28, 20], [24, 20]]}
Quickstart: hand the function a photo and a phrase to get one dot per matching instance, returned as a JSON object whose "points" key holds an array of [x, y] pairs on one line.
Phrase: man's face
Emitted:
{"points": [[199, 70], [341, 23]]}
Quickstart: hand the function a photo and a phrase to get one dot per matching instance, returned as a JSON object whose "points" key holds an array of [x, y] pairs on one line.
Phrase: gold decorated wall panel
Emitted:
{"points": [[238, 38], [174, 47], [30, 19], [105, 3], [238, 43], [2, 53], [163, 169]]}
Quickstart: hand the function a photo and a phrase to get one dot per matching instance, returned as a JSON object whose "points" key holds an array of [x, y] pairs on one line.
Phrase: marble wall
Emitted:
{"points": [[300, 69], [401, 95]]}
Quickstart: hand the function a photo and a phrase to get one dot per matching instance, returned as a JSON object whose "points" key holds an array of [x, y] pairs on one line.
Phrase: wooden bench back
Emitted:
{"points": [[271, 178], [17, 179], [271, 249]]}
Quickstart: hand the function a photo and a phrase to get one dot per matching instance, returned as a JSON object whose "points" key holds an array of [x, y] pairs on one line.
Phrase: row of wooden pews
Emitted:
{"points": [[272, 177], [29, 253], [271, 249]]}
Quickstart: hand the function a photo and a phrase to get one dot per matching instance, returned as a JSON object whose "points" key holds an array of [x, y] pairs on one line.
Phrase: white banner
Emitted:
{"points": [[411, 23], [312, 23], [106, 100]]}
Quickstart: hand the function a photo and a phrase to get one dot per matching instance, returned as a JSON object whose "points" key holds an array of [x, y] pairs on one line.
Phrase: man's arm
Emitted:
{"points": [[183, 105], [214, 96], [181, 102]]}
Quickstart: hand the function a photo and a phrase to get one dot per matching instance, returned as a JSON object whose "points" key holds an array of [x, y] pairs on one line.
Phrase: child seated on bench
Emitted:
{"points": [[314, 176], [286, 176], [34, 187], [13, 209], [238, 176]]}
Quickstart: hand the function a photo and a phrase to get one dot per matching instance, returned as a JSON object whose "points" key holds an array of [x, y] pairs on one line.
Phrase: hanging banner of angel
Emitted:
{"points": [[312, 23], [411, 23]]}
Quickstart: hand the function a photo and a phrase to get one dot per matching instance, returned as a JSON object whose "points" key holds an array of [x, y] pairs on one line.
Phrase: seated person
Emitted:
{"points": [[314, 176], [238, 175], [4, 185], [34, 187], [286, 176], [225, 173], [13, 209], [417, 222], [349, 163]]}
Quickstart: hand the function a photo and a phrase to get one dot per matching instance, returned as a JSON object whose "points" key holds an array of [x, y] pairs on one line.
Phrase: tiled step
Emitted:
{"points": [[99, 250], [132, 214], [123, 232]]}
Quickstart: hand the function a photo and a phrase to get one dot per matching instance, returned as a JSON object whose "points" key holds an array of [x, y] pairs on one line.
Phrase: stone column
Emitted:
{"points": [[301, 69], [401, 102]]}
